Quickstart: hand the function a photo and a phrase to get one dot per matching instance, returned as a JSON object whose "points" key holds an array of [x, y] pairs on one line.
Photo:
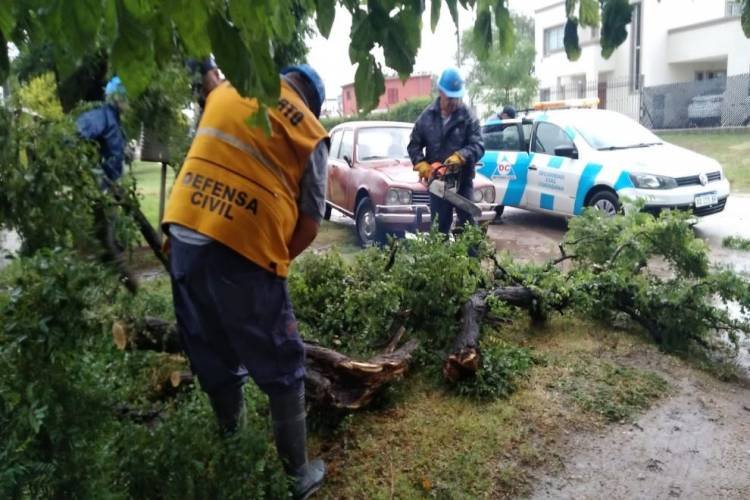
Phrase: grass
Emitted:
{"points": [[736, 243], [148, 179], [427, 441], [732, 150]]}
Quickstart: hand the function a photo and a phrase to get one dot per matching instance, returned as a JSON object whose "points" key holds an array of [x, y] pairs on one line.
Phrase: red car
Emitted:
{"points": [[370, 178]]}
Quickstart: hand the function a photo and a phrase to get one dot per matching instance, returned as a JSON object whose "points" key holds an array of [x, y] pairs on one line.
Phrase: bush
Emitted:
{"points": [[501, 367], [407, 111]]}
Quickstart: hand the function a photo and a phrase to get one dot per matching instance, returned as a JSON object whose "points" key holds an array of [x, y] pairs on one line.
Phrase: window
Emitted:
{"points": [[734, 8], [348, 95], [709, 75], [635, 47], [347, 144], [502, 137], [548, 137], [553, 39], [544, 94], [392, 96], [378, 143], [335, 144]]}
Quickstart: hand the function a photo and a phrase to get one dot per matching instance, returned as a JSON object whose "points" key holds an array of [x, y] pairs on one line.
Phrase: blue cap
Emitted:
{"points": [[313, 78], [202, 66], [114, 86], [451, 83]]}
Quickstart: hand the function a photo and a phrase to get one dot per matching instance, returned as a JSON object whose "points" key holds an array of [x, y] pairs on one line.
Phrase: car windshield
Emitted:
{"points": [[378, 143], [605, 130]]}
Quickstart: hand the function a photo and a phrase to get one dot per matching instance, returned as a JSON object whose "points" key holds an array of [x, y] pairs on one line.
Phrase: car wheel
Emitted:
{"points": [[605, 201], [499, 212], [327, 213], [368, 232]]}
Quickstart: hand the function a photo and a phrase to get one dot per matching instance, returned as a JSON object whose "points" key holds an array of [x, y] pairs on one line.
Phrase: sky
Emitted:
{"points": [[330, 57]]}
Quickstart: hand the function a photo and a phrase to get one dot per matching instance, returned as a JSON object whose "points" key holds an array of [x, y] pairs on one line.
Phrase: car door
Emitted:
{"points": [[338, 169], [505, 162], [553, 179]]}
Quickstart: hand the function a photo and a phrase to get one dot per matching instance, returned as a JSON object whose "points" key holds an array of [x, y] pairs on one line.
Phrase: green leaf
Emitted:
{"points": [[572, 47], [435, 13], [326, 12], [4, 62], [231, 53], [142, 10], [453, 9], [191, 18], [616, 15], [745, 19], [570, 7], [588, 13], [260, 119], [79, 24], [401, 41], [362, 36], [369, 83], [132, 55], [7, 18], [249, 18], [505, 29], [483, 33]]}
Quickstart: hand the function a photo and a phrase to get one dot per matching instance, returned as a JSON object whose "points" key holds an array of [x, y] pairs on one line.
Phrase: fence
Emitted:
{"points": [[716, 102]]}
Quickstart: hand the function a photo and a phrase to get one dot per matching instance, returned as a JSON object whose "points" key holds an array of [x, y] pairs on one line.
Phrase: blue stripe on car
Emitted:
{"points": [[547, 201], [555, 162], [489, 167], [516, 187], [588, 177], [623, 181]]}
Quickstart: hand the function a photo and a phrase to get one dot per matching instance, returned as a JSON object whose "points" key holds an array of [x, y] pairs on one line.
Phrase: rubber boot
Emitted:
{"points": [[290, 433], [228, 405]]}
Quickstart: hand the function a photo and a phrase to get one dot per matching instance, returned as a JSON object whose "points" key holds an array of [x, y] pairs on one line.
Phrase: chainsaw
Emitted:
{"points": [[443, 183]]}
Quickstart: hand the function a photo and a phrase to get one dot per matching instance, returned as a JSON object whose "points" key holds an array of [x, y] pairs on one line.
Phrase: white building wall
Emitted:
{"points": [[665, 57]]}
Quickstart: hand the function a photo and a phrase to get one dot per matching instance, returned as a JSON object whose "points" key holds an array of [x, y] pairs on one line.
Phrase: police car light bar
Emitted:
{"points": [[567, 104]]}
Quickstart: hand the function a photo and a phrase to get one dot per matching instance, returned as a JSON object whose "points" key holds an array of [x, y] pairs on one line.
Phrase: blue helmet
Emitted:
{"points": [[114, 86], [451, 83], [313, 78]]}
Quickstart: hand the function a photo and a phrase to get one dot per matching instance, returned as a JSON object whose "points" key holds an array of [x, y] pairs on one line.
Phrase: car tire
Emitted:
{"points": [[368, 232], [499, 212], [327, 213], [605, 201]]}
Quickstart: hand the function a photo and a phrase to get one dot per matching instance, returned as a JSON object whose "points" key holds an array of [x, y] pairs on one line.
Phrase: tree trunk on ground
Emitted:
{"points": [[464, 358], [332, 379]]}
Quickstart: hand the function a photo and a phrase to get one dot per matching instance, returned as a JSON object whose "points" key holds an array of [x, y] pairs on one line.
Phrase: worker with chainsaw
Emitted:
{"points": [[447, 139], [243, 206]]}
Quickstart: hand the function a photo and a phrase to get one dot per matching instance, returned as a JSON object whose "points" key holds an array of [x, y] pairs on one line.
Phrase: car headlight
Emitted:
{"points": [[489, 194], [477, 196], [652, 181], [396, 196]]}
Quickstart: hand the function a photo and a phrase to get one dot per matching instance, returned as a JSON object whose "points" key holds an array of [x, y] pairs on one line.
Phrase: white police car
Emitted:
{"points": [[563, 160]]}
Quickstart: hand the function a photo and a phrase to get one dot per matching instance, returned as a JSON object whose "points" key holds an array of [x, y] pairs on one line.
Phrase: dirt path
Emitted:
{"points": [[694, 444]]}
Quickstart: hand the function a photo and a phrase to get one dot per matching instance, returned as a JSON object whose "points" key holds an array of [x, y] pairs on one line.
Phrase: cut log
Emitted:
{"points": [[333, 379], [465, 357], [149, 334]]}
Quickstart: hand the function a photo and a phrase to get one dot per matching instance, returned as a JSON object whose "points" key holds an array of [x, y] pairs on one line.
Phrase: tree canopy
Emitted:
{"points": [[139, 36]]}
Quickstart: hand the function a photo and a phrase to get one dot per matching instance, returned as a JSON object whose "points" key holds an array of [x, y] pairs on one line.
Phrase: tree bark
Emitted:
{"points": [[464, 358], [332, 379]]}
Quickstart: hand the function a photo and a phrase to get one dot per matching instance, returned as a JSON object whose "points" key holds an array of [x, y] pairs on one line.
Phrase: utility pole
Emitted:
{"points": [[458, 41]]}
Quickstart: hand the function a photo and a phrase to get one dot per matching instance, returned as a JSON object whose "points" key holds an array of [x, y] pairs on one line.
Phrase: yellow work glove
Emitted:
{"points": [[424, 170], [454, 162]]}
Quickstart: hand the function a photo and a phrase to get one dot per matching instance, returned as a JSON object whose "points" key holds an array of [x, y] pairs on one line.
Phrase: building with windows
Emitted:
{"points": [[668, 41], [396, 91]]}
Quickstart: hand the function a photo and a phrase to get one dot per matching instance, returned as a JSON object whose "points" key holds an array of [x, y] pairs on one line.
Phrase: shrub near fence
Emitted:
{"points": [[405, 112]]}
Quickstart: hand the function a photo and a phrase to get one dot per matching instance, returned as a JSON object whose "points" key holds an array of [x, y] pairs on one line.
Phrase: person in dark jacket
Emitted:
{"points": [[447, 132], [102, 125]]}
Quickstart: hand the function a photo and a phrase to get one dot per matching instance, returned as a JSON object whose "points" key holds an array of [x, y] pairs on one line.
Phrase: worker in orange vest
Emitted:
{"points": [[244, 205]]}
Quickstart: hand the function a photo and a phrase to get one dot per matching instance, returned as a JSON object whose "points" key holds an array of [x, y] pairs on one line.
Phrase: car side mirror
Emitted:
{"points": [[348, 160], [567, 152]]}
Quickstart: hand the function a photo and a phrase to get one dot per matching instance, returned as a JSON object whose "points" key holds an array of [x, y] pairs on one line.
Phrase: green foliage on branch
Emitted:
{"points": [[75, 421], [502, 366], [352, 305]]}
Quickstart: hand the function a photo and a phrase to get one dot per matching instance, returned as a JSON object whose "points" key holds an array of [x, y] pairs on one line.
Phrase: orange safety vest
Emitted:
{"points": [[240, 186]]}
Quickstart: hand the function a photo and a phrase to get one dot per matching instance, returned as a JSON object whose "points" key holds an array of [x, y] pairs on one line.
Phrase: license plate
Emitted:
{"points": [[706, 200]]}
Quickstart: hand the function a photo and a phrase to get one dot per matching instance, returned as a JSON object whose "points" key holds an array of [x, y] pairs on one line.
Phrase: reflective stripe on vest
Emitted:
{"points": [[248, 150]]}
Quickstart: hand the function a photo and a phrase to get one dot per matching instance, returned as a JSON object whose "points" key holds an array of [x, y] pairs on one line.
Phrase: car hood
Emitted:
{"points": [[665, 159], [400, 171]]}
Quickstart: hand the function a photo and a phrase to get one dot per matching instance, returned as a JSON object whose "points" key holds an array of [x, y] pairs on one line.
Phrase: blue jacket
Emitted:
{"points": [[432, 141], [102, 125]]}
